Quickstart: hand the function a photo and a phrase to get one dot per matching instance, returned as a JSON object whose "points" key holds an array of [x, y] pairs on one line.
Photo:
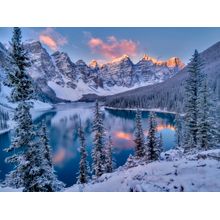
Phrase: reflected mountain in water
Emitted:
{"points": [[63, 123]]}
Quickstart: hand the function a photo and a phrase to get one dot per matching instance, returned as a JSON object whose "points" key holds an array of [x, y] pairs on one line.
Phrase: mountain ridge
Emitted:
{"points": [[58, 78], [168, 95]]}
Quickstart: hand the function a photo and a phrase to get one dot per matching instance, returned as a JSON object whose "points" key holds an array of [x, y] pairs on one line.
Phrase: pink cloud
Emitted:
{"points": [[112, 47], [52, 38], [49, 41]]}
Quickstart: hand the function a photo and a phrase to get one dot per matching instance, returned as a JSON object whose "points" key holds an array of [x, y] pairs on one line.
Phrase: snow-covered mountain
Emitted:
{"points": [[5, 91], [58, 78], [169, 95]]}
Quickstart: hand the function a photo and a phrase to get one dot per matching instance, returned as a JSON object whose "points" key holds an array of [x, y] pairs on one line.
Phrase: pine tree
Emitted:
{"points": [[179, 130], [131, 162], [24, 147], [193, 83], [139, 136], [152, 150], [217, 125], [98, 142], [214, 120], [108, 156], [160, 142], [22, 88], [22, 143], [205, 117], [83, 166], [47, 181]]}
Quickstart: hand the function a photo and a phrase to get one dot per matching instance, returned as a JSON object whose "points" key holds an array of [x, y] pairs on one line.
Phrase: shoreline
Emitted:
{"points": [[5, 131], [141, 109]]}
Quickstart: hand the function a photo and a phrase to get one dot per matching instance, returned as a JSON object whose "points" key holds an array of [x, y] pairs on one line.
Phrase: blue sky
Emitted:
{"points": [[105, 44]]}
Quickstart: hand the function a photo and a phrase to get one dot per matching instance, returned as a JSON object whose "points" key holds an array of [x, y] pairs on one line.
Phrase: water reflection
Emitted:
{"points": [[122, 135], [63, 125]]}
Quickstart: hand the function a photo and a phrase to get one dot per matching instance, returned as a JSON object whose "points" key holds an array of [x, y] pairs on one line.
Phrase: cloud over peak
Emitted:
{"points": [[113, 47], [52, 38]]}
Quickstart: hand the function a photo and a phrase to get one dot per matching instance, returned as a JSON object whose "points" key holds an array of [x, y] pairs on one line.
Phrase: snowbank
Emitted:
{"points": [[197, 173], [9, 189], [191, 173]]}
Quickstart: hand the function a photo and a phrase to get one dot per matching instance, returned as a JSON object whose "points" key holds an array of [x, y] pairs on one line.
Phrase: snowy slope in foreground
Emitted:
{"points": [[200, 172]]}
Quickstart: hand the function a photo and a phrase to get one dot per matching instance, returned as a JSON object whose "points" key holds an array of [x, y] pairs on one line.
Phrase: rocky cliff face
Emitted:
{"points": [[60, 79]]}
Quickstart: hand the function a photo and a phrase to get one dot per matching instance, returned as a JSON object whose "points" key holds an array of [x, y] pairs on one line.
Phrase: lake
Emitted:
{"points": [[63, 122]]}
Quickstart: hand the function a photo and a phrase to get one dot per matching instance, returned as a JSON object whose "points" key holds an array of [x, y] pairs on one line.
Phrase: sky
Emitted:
{"points": [[105, 44]]}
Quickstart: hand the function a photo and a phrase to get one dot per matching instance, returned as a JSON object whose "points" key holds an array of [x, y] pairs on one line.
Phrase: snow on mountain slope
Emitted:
{"points": [[58, 79], [111, 78], [82, 88], [5, 91], [199, 172], [169, 94]]}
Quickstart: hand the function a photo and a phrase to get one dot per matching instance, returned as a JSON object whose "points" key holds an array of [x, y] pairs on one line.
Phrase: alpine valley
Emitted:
{"points": [[57, 78], [115, 125]]}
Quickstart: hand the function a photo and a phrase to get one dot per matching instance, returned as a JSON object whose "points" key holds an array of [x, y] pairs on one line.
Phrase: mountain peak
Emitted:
{"points": [[175, 62], [119, 59], [32, 42], [149, 58], [80, 63], [171, 62], [93, 64]]}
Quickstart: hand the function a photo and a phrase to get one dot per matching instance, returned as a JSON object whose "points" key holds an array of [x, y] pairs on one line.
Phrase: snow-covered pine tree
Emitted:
{"points": [[108, 156], [98, 156], [214, 119], [179, 130], [131, 162], [47, 181], [139, 136], [18, 79], [206, 129], [24, 146], [83, 166], [217, 125], [152, 148], [160, 142], [191, 102]]}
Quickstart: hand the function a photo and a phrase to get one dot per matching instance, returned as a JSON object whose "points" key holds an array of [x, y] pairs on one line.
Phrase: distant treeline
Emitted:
{"points": [[167, 95]]}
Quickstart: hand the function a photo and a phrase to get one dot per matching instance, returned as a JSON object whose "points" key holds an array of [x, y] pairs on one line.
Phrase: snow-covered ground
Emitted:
{"points": [[9, 189], [175, 172]]}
